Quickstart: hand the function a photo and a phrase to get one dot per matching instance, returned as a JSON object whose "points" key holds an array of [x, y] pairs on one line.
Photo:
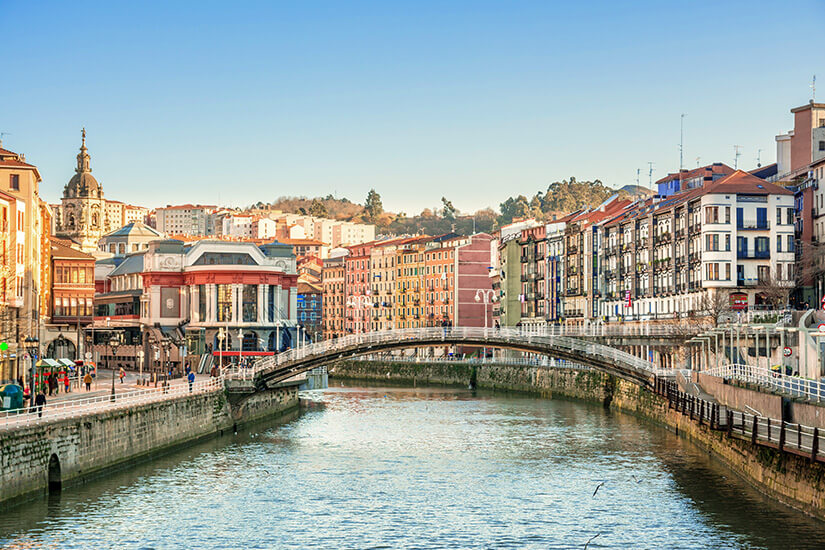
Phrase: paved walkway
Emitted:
{"points": [[102, 385]]}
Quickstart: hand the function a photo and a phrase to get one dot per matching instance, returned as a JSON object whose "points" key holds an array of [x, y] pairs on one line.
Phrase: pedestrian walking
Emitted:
{"points": [[191, 378], [66, 382], [88, 381], [39, 403], [122, 375], [52, 383]]}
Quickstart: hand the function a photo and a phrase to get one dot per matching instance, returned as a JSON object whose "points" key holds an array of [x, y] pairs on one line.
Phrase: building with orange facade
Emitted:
{"points": [[333, 281]]}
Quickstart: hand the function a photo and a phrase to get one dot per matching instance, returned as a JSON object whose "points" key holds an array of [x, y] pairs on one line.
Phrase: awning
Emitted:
{"points": [[66, 362], [48, 363]]}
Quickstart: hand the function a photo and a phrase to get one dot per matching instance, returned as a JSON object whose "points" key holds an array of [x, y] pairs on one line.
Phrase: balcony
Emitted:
{"points": [[573, 292], [524, 278], [753, 254], [694, 229], [761, 225], [572, 249], [680, 233], [694, 257], [524, 259]]}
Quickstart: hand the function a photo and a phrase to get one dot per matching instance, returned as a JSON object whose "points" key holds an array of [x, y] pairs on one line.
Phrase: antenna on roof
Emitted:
{"points": [[650, 174], [681, 148], [737, 152], [813, 88], [1, 137], [759, 158], [697, 161]]}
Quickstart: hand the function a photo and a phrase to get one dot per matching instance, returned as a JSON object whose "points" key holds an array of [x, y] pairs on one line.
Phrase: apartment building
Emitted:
{"points": [[732, 240], [185, 219], [359, 300], [24, 229], [333, 280]]}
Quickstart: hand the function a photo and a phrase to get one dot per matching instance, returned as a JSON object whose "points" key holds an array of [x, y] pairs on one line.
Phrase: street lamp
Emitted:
{"points": [[487, 296], [166, 344], [114, 343], [221, 337], [32, 344]]}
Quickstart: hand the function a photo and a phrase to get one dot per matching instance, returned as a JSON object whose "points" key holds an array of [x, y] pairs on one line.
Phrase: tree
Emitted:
{"points": [[514, 208], [318, 209], [715, 306], [449, 210], [774, 290], [373, 205]]}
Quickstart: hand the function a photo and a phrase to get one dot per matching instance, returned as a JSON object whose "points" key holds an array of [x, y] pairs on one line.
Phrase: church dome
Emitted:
{"points": [[83, 183]]}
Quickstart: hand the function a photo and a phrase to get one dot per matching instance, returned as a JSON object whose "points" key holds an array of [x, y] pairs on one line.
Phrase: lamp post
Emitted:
{"points": [[221, 337], [486, 296], [32, 343], [114, 343], [166, 343]]}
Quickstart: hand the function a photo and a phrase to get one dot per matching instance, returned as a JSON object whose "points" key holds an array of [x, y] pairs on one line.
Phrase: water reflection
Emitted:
{"points": [[421, 467]]}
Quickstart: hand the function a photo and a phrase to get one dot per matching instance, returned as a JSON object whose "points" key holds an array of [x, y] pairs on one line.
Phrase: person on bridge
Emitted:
{"points": [[214, 371], [39, 403], [88, 381], [122, 375], [191, 378], [66, 382]]}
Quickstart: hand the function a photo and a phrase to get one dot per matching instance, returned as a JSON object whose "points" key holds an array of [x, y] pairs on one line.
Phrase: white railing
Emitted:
{"points": [[519, 361], [90, 405], [776, 381], [481, 336]]}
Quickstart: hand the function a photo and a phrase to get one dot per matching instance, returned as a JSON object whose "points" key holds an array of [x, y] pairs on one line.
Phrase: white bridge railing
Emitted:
{"points": [[90, 405], [518, 361], [552, 339], [776, 381]]}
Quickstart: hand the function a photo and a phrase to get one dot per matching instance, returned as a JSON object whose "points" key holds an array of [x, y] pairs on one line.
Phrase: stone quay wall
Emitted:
{"points": [[787, 478], [70, 450]]}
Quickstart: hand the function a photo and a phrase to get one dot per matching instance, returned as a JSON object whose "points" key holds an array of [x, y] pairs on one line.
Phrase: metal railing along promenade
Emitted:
{"points": [[797, 439], [536, 341], [91, 405], [775, 381]]}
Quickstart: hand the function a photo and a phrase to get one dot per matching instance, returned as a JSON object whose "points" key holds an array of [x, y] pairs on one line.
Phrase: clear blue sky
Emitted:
{"points": [[247, 101]]}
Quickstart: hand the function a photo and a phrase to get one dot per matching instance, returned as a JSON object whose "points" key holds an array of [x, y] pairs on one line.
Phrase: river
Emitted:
{"points": [[375, 467]]}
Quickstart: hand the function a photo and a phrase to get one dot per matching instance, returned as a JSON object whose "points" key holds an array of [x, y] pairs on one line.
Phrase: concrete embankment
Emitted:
{"points": [[66, 451], [790, 479]]}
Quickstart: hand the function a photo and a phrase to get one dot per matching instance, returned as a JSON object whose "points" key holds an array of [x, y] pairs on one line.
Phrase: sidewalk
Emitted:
{"points": [[102, 385]]}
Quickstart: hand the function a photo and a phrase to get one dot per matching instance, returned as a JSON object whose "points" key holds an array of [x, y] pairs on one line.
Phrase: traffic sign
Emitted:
{"points": [[821, 327], [787, 352], [88, 355]]}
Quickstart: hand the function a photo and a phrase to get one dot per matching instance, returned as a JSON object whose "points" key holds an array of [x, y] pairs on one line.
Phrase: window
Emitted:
{"points": [[712, 242], [779, 243], [224, 303], [778, 216], [727, 243], [789, 216], [727, 214], [712, 271], [727, 272], [763, 273], [14, 181], [822, 145], [791, 247]]}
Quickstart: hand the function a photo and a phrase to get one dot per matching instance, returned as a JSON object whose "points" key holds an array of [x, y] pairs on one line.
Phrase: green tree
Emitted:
{"points": [[318, 209], [449, 210], [373, 206]]}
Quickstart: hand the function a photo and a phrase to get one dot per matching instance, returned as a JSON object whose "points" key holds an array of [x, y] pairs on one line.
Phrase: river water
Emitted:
{"points": [[373, 467]]}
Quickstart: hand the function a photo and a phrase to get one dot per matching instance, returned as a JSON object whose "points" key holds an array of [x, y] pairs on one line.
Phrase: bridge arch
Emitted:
{"points": [[55, 478], [282, 366]]}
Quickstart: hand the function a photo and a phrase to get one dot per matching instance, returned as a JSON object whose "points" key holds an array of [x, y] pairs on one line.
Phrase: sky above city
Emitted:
{"points": [[233, 103]]}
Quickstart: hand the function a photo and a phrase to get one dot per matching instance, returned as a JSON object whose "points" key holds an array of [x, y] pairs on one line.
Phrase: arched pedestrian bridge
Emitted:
{"points": [[574, 345]]}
